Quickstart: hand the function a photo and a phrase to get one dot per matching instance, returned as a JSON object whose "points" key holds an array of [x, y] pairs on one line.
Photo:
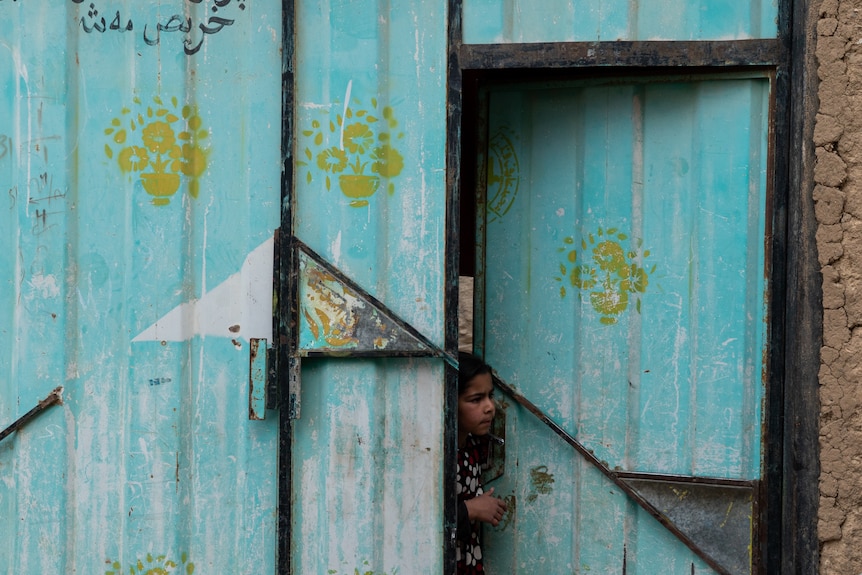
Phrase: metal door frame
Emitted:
{"points": [[787, 538]]}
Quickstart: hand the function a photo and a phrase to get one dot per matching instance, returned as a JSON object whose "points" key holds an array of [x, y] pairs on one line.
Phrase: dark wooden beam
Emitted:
{"points": [[804, 307], [748, 53]]}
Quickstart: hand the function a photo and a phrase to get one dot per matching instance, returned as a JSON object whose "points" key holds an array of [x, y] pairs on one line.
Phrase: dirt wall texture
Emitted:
{"points": [[838, 208]]}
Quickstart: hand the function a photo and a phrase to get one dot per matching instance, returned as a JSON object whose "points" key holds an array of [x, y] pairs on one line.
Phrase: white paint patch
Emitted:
{"points": [[335, 248], [244, 299], [46, 286], [344, 115]]}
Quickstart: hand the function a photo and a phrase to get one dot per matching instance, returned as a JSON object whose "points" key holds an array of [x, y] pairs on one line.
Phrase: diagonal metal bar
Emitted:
{"points": [[52, 398], [614, 476]]}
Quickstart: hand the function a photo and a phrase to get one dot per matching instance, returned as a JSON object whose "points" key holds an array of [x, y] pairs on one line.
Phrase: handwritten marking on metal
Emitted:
{"points": [[612, 475], [52, 398], [607, 271], [96, 21], [38, 193], [356, 142], [163, 142]]}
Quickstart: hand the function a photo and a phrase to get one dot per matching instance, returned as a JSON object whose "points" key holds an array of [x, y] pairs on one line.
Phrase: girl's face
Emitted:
{"points": [[476, 407]]}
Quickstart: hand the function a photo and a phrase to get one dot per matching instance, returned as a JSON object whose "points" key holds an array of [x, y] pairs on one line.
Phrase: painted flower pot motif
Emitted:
{"points": [[154, 565], [358, 186], [166, 140], [161, 186], [606, 272], [356, 143]]}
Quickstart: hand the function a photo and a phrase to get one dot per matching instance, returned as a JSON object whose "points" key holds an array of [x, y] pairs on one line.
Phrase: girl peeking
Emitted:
{"points": [[476, 410]]}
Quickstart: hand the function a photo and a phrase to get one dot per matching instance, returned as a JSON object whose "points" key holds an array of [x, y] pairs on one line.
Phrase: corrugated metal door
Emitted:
{"points": [[140, 173], [624, 232], [367, 447]]}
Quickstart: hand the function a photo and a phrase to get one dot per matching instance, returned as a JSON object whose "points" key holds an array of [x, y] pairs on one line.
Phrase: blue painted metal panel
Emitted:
{"points": [[370, 199], [507, 21], [140, 198], [625, 234]]}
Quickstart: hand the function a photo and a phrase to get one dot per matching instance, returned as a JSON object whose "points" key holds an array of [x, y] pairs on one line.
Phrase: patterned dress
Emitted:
{"points": [[471, 459]]}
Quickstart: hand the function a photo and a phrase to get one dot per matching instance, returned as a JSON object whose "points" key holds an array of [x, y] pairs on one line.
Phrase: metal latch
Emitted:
{"points": [[257, 379]]}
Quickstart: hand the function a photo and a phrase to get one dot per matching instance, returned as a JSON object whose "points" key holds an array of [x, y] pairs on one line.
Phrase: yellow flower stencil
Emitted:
{"points": [[605, 271], [163, 143], [354, 144], [150, 565]]}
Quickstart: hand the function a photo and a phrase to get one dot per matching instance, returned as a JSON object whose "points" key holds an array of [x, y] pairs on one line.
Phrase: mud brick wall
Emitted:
{"points": [[838, 209]]}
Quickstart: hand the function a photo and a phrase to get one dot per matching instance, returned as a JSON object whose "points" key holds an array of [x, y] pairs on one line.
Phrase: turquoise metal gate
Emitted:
{"points": [[140, 172]]}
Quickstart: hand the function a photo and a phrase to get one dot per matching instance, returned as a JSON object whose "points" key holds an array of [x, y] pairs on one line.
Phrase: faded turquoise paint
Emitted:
{"points": [[507, 21], [127, 304], [633, 255], [367, 452]]}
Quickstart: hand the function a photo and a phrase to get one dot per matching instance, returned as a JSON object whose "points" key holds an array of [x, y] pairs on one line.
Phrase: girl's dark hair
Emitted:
{"points": [[469, 366]]}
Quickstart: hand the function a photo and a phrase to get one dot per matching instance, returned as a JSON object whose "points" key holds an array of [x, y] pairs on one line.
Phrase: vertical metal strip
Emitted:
{"points": [[796, 341], [770, 536], [453, 201], [285, 320], [481, 221]]}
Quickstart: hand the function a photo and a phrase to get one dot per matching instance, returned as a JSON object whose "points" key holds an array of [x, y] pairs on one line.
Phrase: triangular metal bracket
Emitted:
{"points": [[337, 317], [715, 515], [332, 316]]}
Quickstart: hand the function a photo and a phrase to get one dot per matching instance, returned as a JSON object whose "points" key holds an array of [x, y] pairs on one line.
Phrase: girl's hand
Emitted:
{"points": [[486, 508]]}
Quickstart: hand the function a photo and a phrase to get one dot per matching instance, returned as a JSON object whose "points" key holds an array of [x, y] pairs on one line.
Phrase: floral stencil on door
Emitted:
{"points": [[355, 144], [607, 270], [153, 565], [504, 173], [161, 141]]}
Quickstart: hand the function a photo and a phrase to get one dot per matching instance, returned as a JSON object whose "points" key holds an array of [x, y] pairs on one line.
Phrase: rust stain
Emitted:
{"points": [[234, 328]]}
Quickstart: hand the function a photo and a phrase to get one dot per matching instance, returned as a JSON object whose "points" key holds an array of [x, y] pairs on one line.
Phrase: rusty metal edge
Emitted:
{"points": [[647, 54], [55, 397], [693, 479], [284, 287]]}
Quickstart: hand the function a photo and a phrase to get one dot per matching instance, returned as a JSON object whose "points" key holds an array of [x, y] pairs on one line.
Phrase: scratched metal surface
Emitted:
{"points": [[370, 199], [626, 234], [139, 168], [506, 21]]}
